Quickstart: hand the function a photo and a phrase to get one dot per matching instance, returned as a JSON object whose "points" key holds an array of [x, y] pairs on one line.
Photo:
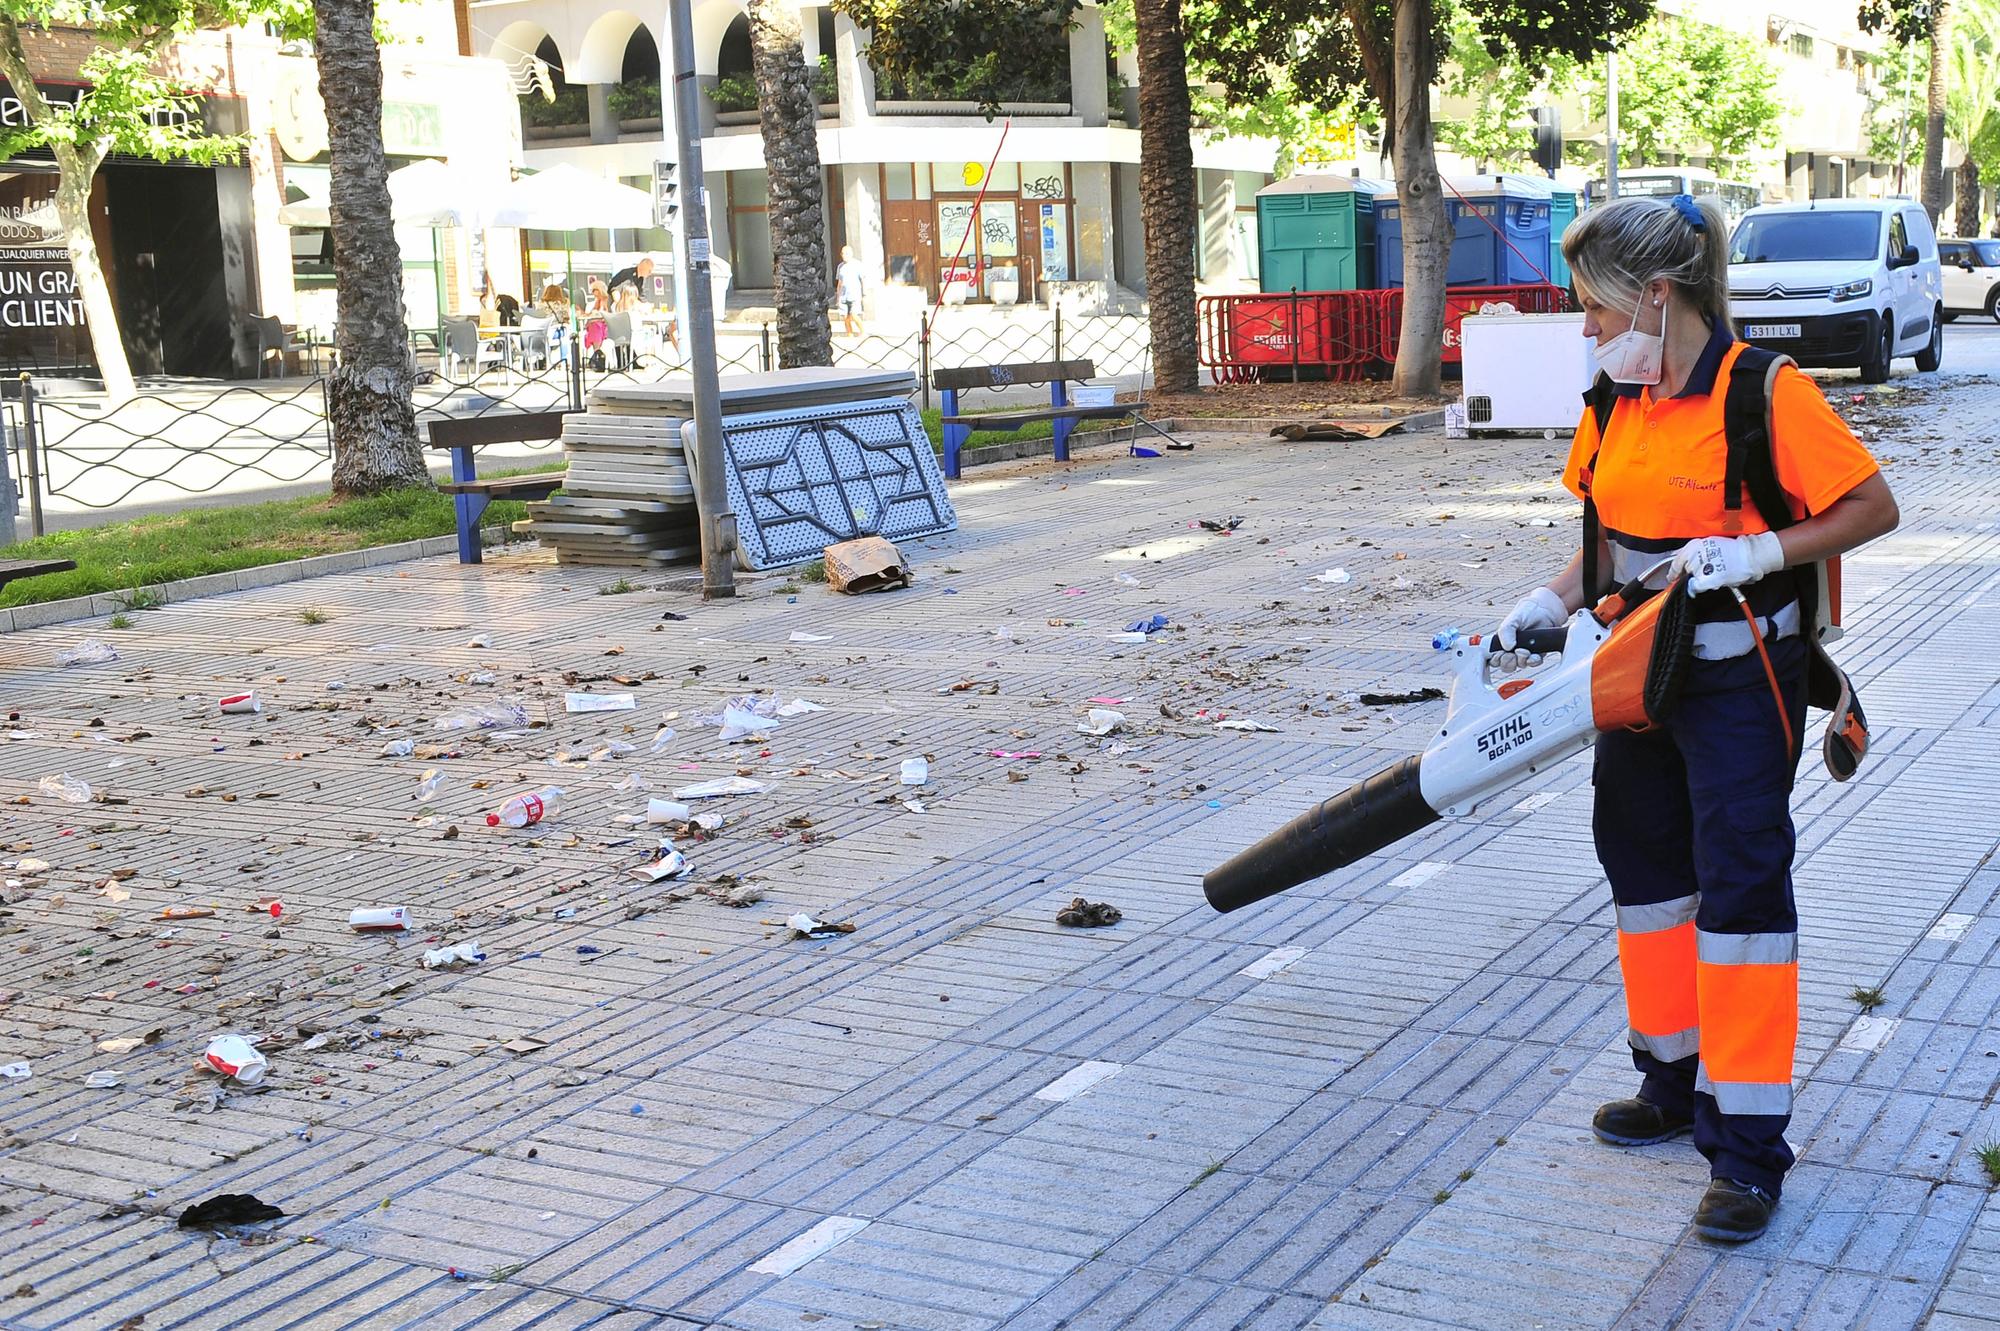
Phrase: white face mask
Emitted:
{"points": [[1634, 357]]}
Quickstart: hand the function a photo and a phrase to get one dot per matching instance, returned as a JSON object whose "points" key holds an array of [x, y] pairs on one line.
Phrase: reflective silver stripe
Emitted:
{"points": [[1745, 1097], [1746, 949], [1672, 1048], [1654, 916], [1731, 638], [1627, 564]]}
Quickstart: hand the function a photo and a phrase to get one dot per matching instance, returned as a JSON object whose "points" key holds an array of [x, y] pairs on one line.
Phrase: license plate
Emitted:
{"points": [[1771, 330]]}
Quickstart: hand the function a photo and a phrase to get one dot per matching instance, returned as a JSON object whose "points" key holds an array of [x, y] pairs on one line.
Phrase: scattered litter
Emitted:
{"points": [[31, 865], [1128, 580], [88, 652], [336, 686], [728, 785], [632, 783], [671, 864], [125, 1044], [598, 702], [68, 789], [803, 925], [1244, 723], [528, 808], [480, 640], [1541, 522], [1101, 721], [116, 894], [660, 741], [234, 1056], [274, 906], [740, 723], [1395, 699], [1014, 753], [427, 787], [811, 637], [916, 772], [479, 677], [667, 811], [379, 919], [1225, 525], [916, 805], [1152, 625], [865, 565], [399, 748], [524, 1044], [1338, 577], [1081, 914], [240, 704], [103, 1080], [451, 958], [231, 1208], [487, 716], [674, 615], [1133, 636], [15, 1071], [187, 913]]}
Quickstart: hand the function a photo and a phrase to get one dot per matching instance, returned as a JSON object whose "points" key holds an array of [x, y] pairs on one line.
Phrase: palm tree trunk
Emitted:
{"points": [[1935, 98], [788, 119], [1167, 193], [1969, 198], [369, 407], [1426, 232]]}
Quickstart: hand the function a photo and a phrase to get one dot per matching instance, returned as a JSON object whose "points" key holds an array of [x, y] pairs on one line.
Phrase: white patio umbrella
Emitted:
{"points": [[567, 199], [427, 194]]}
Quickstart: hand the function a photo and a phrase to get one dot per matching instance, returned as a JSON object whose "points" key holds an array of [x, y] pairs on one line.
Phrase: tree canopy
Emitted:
{"points": [[994, 45], [1691, 89]]}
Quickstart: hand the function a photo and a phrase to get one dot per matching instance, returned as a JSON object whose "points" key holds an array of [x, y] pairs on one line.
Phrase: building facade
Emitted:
{"points": [[921, 186]]}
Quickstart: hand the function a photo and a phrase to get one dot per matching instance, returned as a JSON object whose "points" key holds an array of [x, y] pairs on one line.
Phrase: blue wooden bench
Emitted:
{"points": [[1058, 375], [470, 495]]}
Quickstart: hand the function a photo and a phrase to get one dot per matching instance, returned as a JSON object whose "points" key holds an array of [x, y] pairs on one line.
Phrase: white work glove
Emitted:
{"points": [[1728, 561], [1539, 609]]}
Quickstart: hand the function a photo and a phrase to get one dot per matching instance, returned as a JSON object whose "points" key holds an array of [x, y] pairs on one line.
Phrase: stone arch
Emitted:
{"points": [[522, 40], [712, 22], [602, 56]]}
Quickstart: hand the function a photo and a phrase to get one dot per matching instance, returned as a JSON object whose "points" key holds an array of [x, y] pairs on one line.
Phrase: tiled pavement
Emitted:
{"points": [[1363, 1104]]}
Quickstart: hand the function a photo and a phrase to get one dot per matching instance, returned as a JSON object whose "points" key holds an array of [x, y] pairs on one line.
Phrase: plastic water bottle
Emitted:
{"points": [[522, 810], [1445, 641]]}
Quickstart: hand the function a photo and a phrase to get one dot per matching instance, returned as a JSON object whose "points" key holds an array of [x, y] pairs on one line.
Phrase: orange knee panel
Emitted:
{"points": [[1749, 1020], [1659, 969]]}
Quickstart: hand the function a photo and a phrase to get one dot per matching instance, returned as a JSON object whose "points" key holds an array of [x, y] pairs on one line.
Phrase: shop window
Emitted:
{"points": [[898, 182], [1044, 180]]}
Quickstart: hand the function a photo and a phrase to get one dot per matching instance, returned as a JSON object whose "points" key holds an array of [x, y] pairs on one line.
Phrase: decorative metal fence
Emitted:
{"points": [[71, 452]]}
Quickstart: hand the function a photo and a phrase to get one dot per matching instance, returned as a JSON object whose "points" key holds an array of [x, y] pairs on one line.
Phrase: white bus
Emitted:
{"points": [[1659, 182]]}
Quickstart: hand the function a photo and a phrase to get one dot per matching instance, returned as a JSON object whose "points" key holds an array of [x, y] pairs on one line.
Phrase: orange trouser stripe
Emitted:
{"points": [[1751, 1020], [1659, 969]]}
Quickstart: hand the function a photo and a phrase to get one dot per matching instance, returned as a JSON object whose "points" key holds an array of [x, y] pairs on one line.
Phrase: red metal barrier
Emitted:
{"points": [[1337, 334]]}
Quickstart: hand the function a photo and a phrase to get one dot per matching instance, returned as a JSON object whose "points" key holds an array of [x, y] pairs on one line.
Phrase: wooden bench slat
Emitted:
{"points": [[1009, 376], [11, 569], [500, 428], [1014, 420], [545, 482]]}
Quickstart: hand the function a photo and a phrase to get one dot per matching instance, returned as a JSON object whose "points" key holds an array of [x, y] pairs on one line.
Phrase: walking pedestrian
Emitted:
{"points": [[1692, 821], [847, 288]]}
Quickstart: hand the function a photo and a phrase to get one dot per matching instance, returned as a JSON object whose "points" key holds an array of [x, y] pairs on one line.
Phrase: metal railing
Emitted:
{"points": [[75, 452]]}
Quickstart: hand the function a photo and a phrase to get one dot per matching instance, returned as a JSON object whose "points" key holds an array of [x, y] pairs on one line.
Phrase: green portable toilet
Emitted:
{"points": [[1562, 211], [1317, 233]]}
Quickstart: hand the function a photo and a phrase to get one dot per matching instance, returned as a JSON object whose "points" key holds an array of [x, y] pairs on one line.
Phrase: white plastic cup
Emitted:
{"points": [[380, 918], [667, 811], [234, 1056], [236, 704]]}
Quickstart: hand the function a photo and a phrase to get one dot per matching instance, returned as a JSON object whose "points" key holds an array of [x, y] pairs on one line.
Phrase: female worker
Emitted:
{"points": [[1692, 819]]}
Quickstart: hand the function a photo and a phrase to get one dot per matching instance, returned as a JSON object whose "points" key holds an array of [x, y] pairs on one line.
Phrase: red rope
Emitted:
{"points": [[978, 199]]}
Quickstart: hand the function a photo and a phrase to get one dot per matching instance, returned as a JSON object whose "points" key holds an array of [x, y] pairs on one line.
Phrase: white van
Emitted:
{"points": [[1839, 282]]}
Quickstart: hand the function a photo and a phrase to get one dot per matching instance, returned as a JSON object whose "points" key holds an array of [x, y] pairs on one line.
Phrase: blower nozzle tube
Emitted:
{"points": [[1355, 823]]}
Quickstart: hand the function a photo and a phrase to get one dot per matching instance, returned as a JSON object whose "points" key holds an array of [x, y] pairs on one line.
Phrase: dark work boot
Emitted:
{"points": [[1732, 1212], [1637, 1122]]}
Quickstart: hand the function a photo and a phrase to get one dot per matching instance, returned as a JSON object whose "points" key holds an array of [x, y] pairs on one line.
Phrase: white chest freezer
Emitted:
{"points": [[1525, 371]]}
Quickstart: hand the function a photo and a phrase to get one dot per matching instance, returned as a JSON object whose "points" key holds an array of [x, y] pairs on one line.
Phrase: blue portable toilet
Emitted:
{"points": [[1562, 211], [1491, 218], [1317, 233]]}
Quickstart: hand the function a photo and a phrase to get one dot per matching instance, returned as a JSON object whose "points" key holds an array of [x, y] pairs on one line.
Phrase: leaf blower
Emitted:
{"points": [[1623, 664]]}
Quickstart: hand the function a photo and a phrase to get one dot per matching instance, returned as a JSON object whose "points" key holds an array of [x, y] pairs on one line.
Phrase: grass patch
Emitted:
{"points": [[1205, 1175], [142, 553], [813, 572], [1869, 999], [142, 598], [121, 620], [622, 587], [934, 426], [1440, 1197], [1989, 1159], [313, 615]]}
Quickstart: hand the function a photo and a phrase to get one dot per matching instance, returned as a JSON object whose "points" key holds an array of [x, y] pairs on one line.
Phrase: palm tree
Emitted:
{"points": [[369, 408], [1166, 192], [1936, 96], [1972, 107], [788, 120]]}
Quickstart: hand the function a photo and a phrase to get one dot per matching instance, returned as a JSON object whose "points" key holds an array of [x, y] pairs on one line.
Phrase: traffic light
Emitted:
{"points": [[1548, 137], [666, 194]]}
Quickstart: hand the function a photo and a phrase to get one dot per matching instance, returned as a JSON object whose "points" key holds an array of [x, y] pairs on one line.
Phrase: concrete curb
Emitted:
{"points": [[73, 608]]}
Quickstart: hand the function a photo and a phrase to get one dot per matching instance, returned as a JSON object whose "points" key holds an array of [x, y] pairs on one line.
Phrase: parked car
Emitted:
{"points": [[1840, 282], [1971, 277]]}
